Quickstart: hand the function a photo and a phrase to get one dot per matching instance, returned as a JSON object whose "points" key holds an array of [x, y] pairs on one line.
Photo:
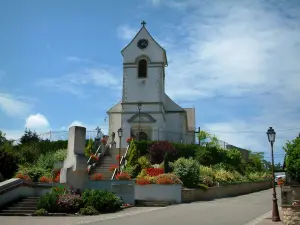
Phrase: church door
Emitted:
{"points": [[142, 136]]}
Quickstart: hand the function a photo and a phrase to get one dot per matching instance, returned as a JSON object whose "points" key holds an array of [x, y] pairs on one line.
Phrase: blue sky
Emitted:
{"points": [[236, 61]]}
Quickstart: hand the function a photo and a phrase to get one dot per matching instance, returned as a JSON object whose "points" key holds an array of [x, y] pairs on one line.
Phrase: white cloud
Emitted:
{"points": [[74, 82], [76, 59], [37, 122], [13, 106], [126, 32]]}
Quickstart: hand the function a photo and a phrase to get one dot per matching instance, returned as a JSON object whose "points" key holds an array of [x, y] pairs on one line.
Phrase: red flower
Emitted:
{"points": [[123, 176], [153, 172], [94, 157], [97, 176], [118, 157], [113, 167], [44, 179], [128, 140], [57, 178], [23, 176], [142, 181]]}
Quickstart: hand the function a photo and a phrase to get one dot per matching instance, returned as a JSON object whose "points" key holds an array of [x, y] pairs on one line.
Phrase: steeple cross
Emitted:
{"points": [[143, 23]]}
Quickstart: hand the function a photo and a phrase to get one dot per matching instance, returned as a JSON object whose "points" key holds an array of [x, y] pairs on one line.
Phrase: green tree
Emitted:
{"points": [[214, 141], [255, 162], [292, 162], [29, 137]]}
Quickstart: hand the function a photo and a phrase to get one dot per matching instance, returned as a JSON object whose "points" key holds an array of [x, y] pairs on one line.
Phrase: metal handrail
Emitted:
{"points": [[122, 163]]}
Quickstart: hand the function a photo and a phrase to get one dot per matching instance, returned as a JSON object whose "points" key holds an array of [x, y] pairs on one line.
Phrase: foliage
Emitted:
{"points": [[123, 176], [29, 153], [41, 212], [144, 162], [49, 202], [255, 162], [207, 175], [96, 176], [166, 163], [29, 137], [132, 155], [130, 170], [164, 180], [102, 200], [35, 173], [234, 160], [69, 203], [23, 176], [188, 171], [46, 161], [88, 149], [224, 177], [292, 162], [89, 211], [60, 155], [203, 187], [208, 156], [142, 181], [8, 163], [158, 149]]}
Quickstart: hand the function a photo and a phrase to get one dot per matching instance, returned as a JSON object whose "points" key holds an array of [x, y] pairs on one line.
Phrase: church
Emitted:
{"points": [[146, 112]]}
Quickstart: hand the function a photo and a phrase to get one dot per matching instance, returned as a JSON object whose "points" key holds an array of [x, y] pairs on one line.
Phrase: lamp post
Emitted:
{"points": [[139, 105], [275, 213], [120, 134]]}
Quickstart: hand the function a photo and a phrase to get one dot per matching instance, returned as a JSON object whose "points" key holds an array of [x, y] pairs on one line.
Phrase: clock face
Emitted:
{"points": [[142, 44]]}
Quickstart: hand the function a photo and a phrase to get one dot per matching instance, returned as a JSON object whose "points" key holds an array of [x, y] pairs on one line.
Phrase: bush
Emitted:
{"points": [[144, 162], [132, 155], [69, 203], [203, 187], [41, 212], [171, 176], [292, 162], [8, 164], [35, 173], [130, 170], [88, 211], [29, 153], [45, 161], [158, 149], [102, 200], [60, 155], [142, 181], [188, 171], [224, 177], [48, 202]]}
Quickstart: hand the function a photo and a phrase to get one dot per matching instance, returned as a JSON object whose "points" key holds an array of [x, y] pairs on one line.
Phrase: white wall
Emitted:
{"points": [[175, 126]]}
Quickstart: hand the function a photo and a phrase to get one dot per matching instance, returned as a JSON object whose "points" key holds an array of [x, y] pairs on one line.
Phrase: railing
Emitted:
{"points": [[122, 163], [99, 153]]}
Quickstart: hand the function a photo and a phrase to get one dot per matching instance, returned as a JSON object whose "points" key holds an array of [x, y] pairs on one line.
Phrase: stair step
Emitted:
{"points": [[15, 214], [25, 211], [16, 208]]}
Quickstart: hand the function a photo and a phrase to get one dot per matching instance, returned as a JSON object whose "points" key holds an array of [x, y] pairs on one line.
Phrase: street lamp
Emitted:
{"points": [[139, 105], [275, 213], [120, 134]]}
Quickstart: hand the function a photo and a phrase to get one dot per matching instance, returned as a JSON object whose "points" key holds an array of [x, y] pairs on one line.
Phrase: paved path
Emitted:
{"points": [[228, 211]]}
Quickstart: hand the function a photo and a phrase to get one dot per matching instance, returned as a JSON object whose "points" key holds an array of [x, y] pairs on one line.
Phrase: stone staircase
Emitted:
{"points": [[106, 162], [24, 207]]}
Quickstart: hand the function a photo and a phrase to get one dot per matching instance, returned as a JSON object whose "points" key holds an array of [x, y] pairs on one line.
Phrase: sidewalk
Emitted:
{"points": [[266, 219]]}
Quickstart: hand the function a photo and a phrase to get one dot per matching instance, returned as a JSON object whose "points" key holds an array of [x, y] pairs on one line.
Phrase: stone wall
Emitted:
{"points": [[191, 195], [291, 215]]}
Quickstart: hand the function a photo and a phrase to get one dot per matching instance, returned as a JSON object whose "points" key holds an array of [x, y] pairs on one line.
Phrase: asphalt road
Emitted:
{"points": [[228, 211]]}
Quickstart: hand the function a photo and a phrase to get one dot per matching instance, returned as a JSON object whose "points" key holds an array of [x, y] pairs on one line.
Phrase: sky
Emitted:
{"points": [[236, 62]]}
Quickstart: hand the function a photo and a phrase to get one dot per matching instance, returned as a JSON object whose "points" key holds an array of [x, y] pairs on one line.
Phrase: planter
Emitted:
{"points": [[158, 193], [289, 194], [230, 190], [122, 188]]}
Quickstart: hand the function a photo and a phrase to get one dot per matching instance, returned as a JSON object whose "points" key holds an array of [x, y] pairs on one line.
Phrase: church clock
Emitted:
{"points": [[142, 44]]}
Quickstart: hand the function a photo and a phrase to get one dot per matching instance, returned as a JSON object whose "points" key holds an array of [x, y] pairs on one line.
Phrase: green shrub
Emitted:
{"points": [[102, 200], [132, 155], [29, 153], [186, 150], [131, 170], [292, 162], [69, 203], [188, 171], [143, 147], [35, 173], [49, 202], [88, 211], [60, 155], [203, 187], [40, 212], [144, 162], [46, 161], [224, 177]]}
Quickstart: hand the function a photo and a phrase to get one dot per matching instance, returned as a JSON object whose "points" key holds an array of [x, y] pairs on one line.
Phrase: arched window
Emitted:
{"points": [[142, 68]]}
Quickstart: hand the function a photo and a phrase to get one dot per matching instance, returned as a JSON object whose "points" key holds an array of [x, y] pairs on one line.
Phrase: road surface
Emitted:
{"points": [[227, 211]]}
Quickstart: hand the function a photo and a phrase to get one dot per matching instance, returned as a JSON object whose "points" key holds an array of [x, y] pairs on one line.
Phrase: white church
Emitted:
{"points": [[146, 112]]}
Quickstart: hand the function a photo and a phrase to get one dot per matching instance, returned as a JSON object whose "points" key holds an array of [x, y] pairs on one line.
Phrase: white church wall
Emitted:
{"points": [[147, 89], [114, 124], [174, 127]]}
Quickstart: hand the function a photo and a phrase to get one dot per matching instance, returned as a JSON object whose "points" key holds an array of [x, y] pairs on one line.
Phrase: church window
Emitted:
{"points": [[142, 68]]}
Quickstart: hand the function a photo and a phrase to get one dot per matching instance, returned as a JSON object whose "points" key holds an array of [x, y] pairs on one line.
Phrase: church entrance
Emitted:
{"points": [[141, 136]]}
